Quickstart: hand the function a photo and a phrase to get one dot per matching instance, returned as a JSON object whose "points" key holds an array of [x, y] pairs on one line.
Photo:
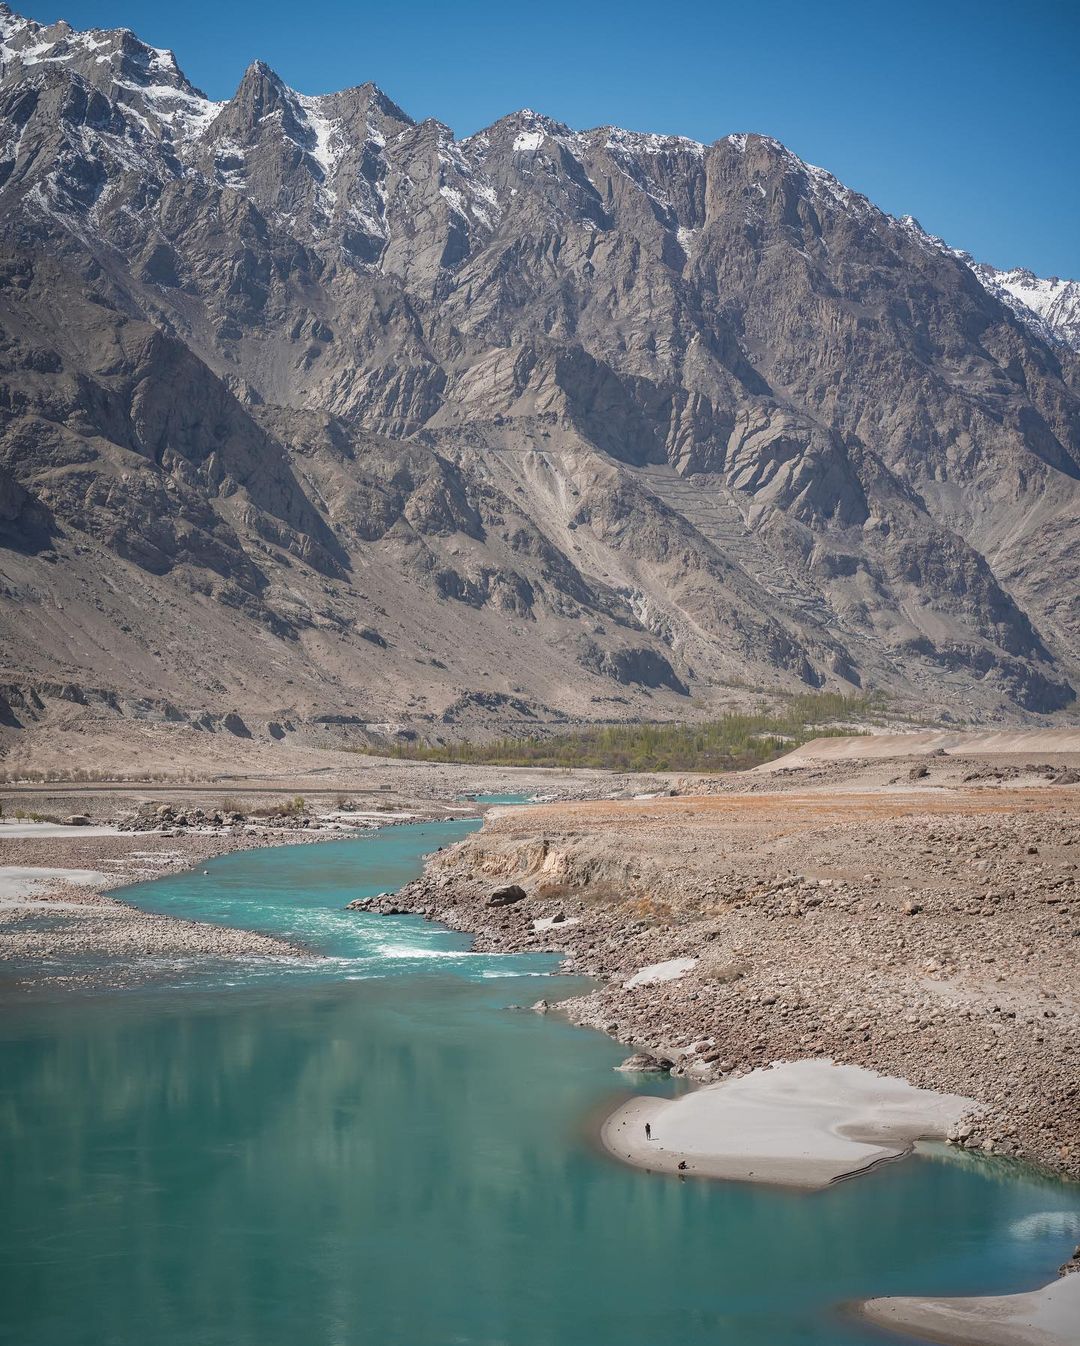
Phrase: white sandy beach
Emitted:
{"points": [[1046, 1317], [799, 1124], [669, 970]]}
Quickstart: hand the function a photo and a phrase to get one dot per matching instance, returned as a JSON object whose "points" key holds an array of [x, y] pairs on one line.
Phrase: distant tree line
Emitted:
{"points": [[730, 743]]}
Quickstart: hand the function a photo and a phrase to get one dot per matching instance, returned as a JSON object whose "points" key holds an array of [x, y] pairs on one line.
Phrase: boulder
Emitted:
{"points": [[643, 1063], [507, 895], [78, 820]]}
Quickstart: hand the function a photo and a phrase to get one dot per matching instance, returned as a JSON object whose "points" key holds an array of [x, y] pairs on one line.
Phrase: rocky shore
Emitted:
{"points": [[924, 932]]}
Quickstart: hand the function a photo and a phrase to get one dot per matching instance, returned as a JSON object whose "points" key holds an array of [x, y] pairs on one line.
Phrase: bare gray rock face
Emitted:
{"points": [[314, 415]]}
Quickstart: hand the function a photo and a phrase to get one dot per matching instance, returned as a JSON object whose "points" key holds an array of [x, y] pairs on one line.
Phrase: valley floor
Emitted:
{"points": [[913, 913], [918, 914]]}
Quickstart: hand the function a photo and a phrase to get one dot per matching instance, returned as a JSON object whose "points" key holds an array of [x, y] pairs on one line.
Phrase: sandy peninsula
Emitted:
{"points": [[798, 1124], [1049, 1316]]}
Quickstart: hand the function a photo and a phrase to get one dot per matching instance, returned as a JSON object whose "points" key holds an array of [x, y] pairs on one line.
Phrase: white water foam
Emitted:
{"points": [[411, 951], [492, 975]]}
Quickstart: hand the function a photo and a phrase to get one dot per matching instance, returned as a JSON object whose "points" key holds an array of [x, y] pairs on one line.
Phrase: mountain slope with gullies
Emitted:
{"points": [[313, 416]]}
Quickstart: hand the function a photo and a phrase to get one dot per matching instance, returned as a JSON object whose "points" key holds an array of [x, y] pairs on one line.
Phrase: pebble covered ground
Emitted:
{"points": [[162, 828], [86, 923]]}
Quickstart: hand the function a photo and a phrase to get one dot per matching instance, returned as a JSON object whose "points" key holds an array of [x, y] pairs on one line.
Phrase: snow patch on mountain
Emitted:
{"points": [[326, 145], [464, 187], [643, 142], [1054, 301]]}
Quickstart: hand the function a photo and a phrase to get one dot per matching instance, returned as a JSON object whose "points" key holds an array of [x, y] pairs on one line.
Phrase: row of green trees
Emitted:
{"points": [[732, 742]]}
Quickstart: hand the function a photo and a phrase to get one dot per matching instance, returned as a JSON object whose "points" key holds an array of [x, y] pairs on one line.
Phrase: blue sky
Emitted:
{"points": [[966, 115]]}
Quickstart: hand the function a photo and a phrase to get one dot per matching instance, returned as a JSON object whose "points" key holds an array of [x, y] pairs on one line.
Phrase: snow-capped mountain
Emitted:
{"points": [[1054, 302], [145, 82], [307, 406]]}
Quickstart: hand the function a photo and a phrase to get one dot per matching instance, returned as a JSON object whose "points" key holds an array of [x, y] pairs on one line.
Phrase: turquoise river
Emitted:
{"points": [[372, 1147]]}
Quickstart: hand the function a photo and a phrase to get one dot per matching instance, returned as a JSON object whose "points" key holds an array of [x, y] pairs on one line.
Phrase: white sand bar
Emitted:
{"points": [[672, 970], [800, 1124], [19, 881], [1046, 1317]]}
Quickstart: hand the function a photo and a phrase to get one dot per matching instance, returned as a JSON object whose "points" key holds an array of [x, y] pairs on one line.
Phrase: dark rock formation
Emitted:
{"points": [[507, 895]]}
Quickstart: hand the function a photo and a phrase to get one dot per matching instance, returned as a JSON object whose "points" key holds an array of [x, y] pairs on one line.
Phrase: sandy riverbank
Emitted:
{"points": [[800, 1124], [1049, 1316]]}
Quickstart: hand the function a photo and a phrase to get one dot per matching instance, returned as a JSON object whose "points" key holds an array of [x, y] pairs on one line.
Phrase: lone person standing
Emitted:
{"points": [[648, 1131]]}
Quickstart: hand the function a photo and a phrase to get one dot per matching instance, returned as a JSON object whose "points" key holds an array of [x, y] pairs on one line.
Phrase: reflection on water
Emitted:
{"points": [[400, 1159]]}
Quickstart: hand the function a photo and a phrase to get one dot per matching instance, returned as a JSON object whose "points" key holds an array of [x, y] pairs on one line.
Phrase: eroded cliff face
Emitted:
{"points": [[309, 410]]}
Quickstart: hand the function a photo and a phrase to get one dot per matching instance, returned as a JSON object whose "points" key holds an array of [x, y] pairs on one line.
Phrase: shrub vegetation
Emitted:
{"points": [[731, 743]]}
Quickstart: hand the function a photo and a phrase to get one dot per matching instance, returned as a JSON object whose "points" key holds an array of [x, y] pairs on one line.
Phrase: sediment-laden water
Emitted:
{"points": [[369, 1147]]}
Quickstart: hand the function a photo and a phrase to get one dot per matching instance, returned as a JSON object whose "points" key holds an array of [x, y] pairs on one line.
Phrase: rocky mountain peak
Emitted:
{"points": [[32, 43], [1047, 306], [114, 61], [1050, 305], [261, 95], [367, 112], [525, 129], [261, 88]]}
